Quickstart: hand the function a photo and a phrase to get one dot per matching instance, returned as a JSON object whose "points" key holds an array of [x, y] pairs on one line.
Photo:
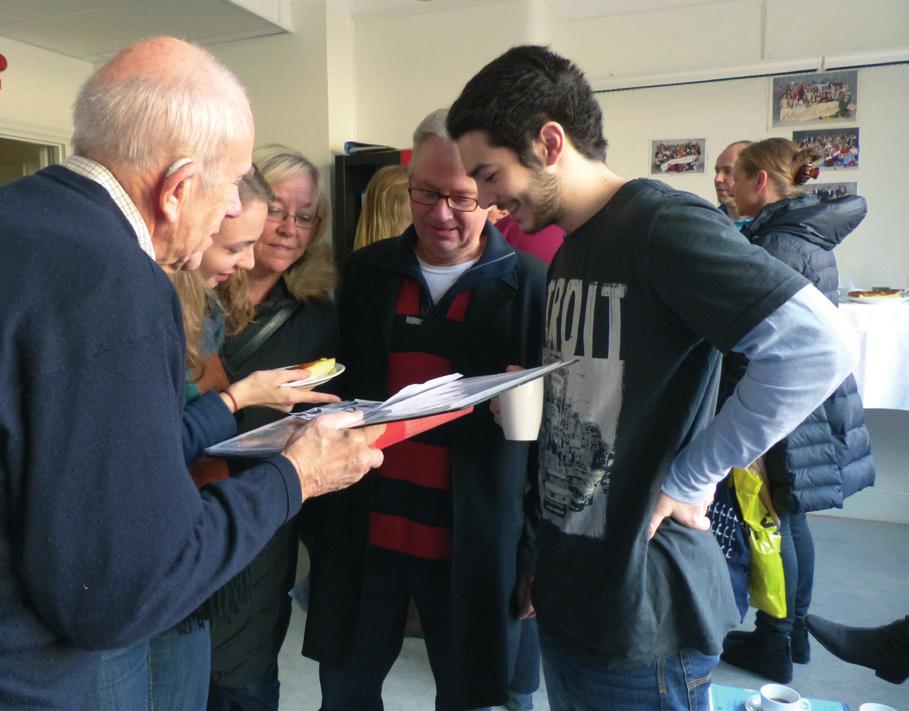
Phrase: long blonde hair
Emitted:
{"points": [[313, 275], [788, 166], [383, 208], [195, 294]]}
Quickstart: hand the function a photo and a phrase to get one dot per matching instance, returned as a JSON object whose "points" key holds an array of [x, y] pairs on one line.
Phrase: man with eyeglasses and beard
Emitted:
{"points": [[443, 521]]}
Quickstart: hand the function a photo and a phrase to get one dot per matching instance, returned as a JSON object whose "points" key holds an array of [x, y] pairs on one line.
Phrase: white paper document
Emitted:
{"points": [[445, 394]]}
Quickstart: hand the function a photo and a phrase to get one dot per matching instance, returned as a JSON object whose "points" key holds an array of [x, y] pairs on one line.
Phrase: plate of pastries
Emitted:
{"points": [[877, 294]]}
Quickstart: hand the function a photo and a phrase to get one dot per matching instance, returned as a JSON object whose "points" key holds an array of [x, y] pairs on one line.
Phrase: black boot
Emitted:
{"points": [[798, 642], [884, 649], [764, 653]]}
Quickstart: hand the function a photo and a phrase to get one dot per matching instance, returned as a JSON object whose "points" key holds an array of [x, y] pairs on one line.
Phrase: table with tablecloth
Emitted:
{"points": [[882, 372]]}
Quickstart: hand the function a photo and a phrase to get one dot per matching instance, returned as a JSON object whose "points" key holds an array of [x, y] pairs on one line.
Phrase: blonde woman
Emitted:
{"points": [[295, 321], [290, 285], [386, 208]]}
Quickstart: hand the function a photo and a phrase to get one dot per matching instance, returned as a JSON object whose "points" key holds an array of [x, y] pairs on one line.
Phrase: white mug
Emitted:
{"points": [[875, 707], [521, 410], [776, 697]]}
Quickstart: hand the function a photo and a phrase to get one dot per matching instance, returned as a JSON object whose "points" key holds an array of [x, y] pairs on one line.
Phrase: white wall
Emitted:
{"points": [[286, 79], [409, 64], [301, 85], [728, 111], [38, 91]]}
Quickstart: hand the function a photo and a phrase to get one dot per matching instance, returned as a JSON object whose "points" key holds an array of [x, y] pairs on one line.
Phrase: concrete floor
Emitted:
{"points": [[861, 578]]}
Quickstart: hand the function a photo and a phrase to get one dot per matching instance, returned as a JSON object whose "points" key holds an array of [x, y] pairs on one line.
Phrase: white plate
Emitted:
{"points": [[318, 380], [753, 703]]}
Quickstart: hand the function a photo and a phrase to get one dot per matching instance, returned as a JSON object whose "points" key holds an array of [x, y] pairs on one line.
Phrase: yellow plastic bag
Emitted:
{"points": [[766, 586]]}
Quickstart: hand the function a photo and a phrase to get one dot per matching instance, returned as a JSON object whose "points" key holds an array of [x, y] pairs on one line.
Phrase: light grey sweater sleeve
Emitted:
{"points": [[797, 357]]}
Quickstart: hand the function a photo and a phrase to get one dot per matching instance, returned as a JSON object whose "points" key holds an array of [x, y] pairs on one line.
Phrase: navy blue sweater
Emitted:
{"points": [[104, 539]]}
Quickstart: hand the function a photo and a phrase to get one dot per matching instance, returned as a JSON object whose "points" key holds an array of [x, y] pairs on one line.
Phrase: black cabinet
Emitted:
{"points": [[352, 174]]}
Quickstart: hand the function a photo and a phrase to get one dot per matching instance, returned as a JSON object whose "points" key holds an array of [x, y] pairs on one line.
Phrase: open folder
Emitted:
{"points": [[411, 410]]}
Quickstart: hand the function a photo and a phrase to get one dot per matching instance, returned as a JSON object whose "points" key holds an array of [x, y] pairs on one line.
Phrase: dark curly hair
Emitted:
{"points": [[514, 95]]}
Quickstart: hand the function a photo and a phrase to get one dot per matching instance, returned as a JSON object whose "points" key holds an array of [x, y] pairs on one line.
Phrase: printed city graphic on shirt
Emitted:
{"points": [[582, 404]]}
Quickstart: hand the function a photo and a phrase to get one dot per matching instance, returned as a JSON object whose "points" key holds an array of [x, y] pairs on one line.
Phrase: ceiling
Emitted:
{"points": [[93, 30]]}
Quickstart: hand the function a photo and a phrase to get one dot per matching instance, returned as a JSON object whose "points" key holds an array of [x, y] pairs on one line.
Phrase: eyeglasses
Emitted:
{"points": [[459, 203], [303, 220]]}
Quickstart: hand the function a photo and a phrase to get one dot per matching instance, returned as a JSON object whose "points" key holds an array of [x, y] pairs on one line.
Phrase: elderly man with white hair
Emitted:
{"points": [[105, 540]]}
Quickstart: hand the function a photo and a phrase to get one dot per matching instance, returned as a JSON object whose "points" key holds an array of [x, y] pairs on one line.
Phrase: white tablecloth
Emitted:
{"points": [[882, 372]]}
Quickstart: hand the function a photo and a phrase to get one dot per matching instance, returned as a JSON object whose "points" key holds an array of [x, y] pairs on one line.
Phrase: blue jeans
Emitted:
{"points": [[526, 677], [167, 673], [797, 552], [680, 682], [260, 694]]}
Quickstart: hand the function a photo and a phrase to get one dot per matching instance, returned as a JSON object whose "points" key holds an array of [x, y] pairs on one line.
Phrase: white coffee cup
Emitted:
{"points": [[521, 410], [776, 697], [875, 707]]}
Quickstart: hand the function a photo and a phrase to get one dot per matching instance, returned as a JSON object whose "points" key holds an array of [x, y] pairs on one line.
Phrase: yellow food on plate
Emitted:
{"points": [[877, 293], [318, 368]]}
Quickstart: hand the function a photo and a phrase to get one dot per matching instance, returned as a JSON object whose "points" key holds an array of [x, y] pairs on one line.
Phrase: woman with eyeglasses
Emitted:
{"points": [[295, 321], [828, 456]]}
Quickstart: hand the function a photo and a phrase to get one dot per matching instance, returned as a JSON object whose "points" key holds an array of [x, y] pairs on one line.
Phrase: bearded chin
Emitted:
{"points": [[544, 200]]}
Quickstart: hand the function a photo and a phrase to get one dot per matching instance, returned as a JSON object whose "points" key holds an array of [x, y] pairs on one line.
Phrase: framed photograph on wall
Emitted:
{"points": [[834, 191], [812, 98], [839, 147], [677, 155]]}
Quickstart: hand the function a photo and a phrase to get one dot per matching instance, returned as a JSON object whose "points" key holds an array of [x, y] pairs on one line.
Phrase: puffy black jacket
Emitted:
{"points": [[828, 456]]}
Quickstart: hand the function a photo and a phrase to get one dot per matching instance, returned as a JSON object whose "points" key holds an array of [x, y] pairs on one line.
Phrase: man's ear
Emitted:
{"points": [[552, 139], [176, 185]]}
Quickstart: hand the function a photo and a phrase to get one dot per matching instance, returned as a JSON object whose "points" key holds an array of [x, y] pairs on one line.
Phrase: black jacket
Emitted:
{"points": [[828, 456], [490, 475], [246, 643]]}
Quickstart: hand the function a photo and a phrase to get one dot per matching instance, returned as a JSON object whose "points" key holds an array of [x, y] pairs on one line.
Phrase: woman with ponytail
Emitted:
{"points": [[828, 456]]}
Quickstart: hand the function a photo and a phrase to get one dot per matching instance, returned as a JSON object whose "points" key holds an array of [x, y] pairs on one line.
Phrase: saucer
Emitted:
{"points": [[753, 703], [318, 380]]}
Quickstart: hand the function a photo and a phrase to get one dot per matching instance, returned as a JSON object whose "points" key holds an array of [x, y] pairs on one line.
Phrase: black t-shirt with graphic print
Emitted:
{"points": [[645, 294]]}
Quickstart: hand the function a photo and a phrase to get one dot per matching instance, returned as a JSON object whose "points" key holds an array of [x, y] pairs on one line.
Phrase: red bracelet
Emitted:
{"points": [[232, 399]]}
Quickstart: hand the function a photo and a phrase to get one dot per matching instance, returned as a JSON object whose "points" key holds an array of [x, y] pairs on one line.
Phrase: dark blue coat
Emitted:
{"points": [[828, 456], [503, 325]]}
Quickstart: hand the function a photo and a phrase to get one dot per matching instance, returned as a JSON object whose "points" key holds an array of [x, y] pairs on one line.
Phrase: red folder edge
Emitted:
{"points": [[404, 429]]}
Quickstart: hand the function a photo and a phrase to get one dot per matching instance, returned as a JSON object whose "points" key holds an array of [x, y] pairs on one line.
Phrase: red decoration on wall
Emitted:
{"points": [[3, 65]]}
